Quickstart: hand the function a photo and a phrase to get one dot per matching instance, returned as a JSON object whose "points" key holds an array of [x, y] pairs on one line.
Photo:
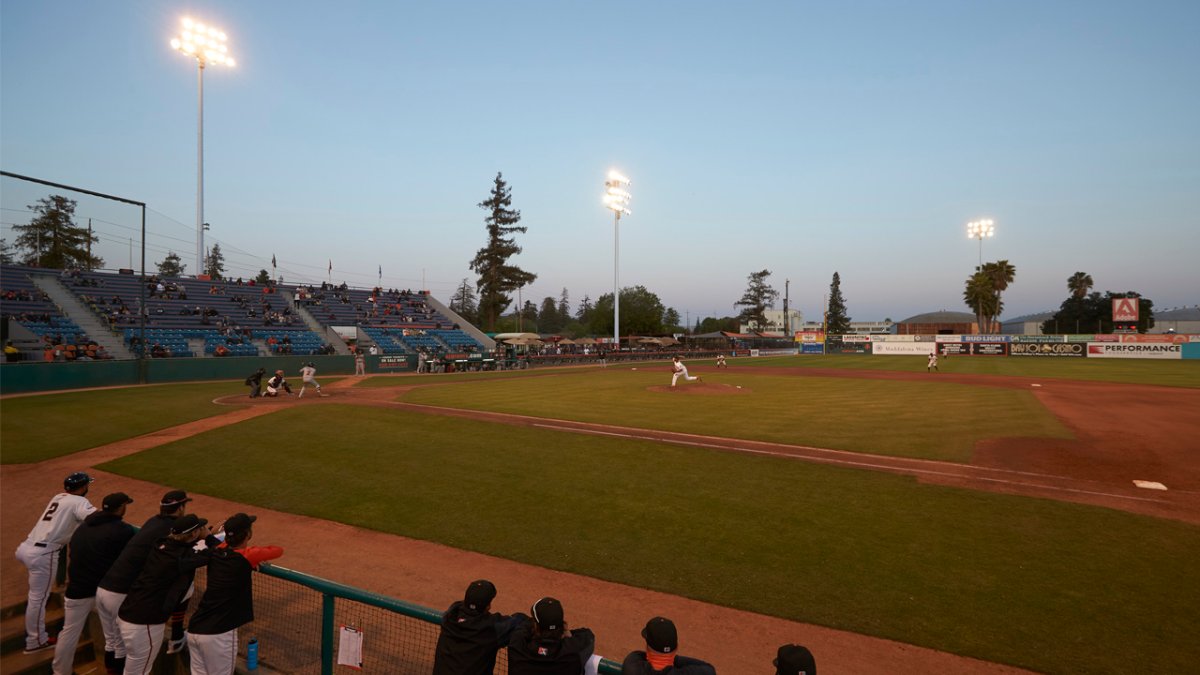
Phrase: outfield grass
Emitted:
{"points": [[934, 420], [1040, 584], [1127, 371], [34, 428]]}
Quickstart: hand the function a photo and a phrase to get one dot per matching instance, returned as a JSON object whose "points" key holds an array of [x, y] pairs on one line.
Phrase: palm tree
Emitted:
{"points": [[1001, 274], [981, 297], [1080, 283]]}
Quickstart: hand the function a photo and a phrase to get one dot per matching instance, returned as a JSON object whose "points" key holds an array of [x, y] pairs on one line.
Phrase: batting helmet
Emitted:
{"points": [[76, 481]]}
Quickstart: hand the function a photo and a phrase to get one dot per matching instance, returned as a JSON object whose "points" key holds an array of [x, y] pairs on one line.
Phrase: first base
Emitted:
{"points": [[1149, 485]]}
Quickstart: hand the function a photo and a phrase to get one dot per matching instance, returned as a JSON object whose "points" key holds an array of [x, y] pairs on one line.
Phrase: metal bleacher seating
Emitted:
{"points": [[25, 303]]}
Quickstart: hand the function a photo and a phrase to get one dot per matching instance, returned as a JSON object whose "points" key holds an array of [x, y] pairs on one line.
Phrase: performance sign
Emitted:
{"points": [[1076, 349], [1125, 350]]}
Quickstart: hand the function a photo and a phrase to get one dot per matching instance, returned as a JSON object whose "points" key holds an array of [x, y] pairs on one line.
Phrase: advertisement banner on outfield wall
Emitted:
{"points": [[954, 349], [1075, 349], [947, 338], [989, 349], [809, 336], [1191, 350], [895, 338], [1039, 338], [902, 348], [856, 338], [835, 345], [985, 338], [812, 348], [1170, 338], [1109, 350]]}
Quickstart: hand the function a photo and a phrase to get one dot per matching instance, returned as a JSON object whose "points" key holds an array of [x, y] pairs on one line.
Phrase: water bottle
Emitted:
{"points": [[252, 654]]}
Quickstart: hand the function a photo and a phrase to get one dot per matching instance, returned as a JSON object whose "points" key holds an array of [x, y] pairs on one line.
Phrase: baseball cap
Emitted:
{"points": [[188, 523], [795, 660], [660, 635], [548, 613], [115, 501], [239, 523], [479, 594], [174, 498]]}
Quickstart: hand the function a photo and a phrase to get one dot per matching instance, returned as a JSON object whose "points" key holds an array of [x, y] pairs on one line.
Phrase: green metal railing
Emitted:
{"points": [[332, 591]]}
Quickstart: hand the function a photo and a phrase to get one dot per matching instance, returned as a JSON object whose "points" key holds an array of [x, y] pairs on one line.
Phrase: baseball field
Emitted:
{"points": [[987, 511]]}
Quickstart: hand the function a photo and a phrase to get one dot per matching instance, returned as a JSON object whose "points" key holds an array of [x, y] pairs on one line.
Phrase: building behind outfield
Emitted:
{"points": [[1177, 320], [938, 323], [1030, 324]]}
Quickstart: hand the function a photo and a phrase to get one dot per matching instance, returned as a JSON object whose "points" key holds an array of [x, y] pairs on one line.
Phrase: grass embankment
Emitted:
{"points": [[35, 428], [934, 420], [1127, 371], [1045, 585]]}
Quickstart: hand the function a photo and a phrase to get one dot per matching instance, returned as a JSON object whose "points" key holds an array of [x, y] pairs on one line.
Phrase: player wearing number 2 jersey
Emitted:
{"points": [[39, 553]]}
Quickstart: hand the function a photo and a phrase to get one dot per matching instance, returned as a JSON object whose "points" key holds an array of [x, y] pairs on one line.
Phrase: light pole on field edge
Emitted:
{"points": [[206, 44], [978, 229], [617, 198]]}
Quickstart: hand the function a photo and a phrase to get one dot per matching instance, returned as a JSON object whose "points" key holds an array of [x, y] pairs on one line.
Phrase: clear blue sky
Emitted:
{"points": [[799, 137]]}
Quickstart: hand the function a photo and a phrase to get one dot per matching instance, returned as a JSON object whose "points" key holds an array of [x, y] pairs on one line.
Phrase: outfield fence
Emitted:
{"points": [[298, 620]]}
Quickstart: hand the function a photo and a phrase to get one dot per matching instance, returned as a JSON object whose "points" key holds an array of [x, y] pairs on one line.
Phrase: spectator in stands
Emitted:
{"points": [[471, 633], [544, 645], [11, 353], [662, 643], [228, 600], [95, 546], [795, 660], [221, 350]]}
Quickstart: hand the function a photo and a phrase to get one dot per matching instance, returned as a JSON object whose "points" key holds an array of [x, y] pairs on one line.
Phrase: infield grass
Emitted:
{"points": [[934, 420], [34, 428], [1050, 586]]}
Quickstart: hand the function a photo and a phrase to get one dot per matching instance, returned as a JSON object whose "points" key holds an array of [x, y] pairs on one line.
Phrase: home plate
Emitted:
{"points": [[1149, 485]]}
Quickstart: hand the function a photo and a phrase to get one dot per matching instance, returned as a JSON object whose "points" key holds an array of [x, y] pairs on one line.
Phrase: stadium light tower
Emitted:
{"points": [[616, 197], [207, 45], [978, 229]]}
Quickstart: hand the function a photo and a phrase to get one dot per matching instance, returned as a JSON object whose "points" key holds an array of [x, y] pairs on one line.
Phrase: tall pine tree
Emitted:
{"points": [[171, 266], [497, 278], [836, 321], [758, 298], [52, 239]]}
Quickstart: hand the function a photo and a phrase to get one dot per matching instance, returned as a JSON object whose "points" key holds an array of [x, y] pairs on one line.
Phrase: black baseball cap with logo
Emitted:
{"points": [[239, 523], [548, 613], [479, 595], [115, 501], [188, 523], [795, 660], [175, 498], [660, 635]]}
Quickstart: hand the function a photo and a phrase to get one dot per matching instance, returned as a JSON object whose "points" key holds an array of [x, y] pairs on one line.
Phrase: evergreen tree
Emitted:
{"points": [[214, 263], [836, 321], [759, 296], [263, 278], [1093, 313], [671, 321], [564, 308], [497, 278], [584, 313], [529, 317], [52, 239], [548, 318], [6, 256], [463, 302], [171, 266]]}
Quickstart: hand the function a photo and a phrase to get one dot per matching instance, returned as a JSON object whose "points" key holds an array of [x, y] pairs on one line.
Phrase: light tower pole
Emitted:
{"points": [[978, 229], [207, 45], [617, 198]]}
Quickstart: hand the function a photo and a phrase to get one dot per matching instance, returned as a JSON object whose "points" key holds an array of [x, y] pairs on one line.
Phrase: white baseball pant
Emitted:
{"points": [[76, 610], [42, 563], [108, 604], [682, 372], [142, 643], [213, 654]]}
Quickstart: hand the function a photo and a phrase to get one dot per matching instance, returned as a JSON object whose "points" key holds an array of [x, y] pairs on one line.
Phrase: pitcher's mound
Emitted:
{"points": [[700, 389]]}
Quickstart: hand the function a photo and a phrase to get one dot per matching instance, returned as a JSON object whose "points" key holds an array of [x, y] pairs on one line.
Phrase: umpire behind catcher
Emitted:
{"points": [[471, 633]]}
